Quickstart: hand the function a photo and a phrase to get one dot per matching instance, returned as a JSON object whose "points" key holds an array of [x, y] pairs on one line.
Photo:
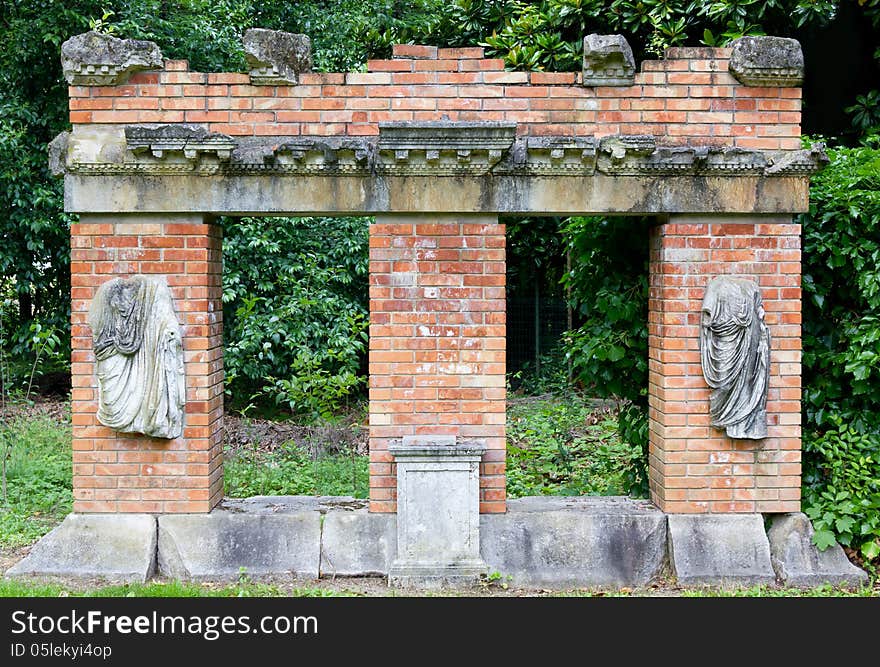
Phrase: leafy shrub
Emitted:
{"points": [[842, 488], [295, 310], [608, 353], [841, 284]]}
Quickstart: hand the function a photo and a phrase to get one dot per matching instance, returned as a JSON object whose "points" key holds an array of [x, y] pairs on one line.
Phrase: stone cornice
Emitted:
{"points": [[430, 150]]}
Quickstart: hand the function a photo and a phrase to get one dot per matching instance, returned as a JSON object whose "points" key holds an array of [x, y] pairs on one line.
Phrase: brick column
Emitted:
{"points": [[693, 466], [122, 472], [437, 342]]}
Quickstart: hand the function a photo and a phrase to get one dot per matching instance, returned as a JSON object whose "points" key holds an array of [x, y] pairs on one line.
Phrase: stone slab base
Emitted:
{"points": [[116, 548], [244, 537], [799, 563], [576, 542], [432, 576], [541, 542], [726, 550], [357, 543]]}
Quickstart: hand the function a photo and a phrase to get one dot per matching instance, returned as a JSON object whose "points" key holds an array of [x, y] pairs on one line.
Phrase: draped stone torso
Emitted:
{"points": [[139, 357], [735, 356]]}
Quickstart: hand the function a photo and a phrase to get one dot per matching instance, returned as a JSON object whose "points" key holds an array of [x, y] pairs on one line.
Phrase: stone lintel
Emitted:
{"points": [[96, 59], [276, 58], [767, 61], [512, 194]]}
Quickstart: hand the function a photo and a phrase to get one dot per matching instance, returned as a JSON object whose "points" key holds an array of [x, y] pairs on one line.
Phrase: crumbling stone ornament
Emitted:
{"points": [[275, 57], [139, 357], [608, 61], [96, 59], [735, 355]]}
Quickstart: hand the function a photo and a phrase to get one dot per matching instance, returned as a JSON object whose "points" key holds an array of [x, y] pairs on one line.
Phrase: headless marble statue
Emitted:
{"points": [[735, 355], [139, 357]]}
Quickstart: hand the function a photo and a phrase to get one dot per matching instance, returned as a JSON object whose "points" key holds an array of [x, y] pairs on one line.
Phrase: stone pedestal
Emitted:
{"points": [[438, 520]]}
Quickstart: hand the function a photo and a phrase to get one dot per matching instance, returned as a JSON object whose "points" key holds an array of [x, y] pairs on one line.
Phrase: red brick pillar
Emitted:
{"points": [[693, 466], [437, 342], [121, 472]]}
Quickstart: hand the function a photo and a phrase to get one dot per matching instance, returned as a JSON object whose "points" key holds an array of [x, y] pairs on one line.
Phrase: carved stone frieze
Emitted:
{"points": [[548, 156], [191, 141], [608, 61], [767, 61], [420, 150], [442, 147]]}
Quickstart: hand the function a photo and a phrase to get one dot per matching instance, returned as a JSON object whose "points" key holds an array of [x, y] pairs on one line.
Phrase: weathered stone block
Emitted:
{"points": [[113, 547], [608, 61], [96, 59], [719, 549], [798, 562], [767, 61], [275, 57], [220, 544], [357, 543], [576, 542], [438, 512]]}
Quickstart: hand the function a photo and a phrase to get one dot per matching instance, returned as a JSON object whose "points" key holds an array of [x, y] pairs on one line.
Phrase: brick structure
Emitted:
{"points": [[114, 472], [437, 342], [716, 160], [689, 98], [694, 467]]}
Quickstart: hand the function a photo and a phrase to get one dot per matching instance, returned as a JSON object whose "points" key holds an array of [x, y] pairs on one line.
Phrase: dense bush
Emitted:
{"points": [[841, 338], [608, 353], [295, 310]]}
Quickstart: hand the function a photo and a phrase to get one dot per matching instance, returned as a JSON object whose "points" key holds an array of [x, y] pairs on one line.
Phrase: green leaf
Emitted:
{"points": [[871, 550], [824, 539]]}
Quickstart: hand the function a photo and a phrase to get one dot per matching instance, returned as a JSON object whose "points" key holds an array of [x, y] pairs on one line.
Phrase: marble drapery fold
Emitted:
{"points": [[735, 356], [139, 357]]}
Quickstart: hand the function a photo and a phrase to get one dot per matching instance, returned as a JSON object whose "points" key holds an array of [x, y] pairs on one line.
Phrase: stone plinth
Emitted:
{"points": [[438, 519]]}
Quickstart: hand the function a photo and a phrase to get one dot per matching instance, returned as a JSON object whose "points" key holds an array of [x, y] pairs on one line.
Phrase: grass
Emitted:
{"points": [[39, 470], [825, 591], [170, 589], [565, 446], [289, 471]]}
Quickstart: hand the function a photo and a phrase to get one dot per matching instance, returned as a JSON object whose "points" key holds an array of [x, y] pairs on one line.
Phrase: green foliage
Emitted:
{"points": [[39, 491], [551, 377], [608, 353], [548, 34], [841, 284], [290, 470], [608, 285], [842, 488], [866, 112], [563, 446], [295, 310]]}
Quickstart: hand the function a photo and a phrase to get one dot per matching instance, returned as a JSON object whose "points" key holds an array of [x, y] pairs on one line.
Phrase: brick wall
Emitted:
{"points": [[437, 335], [437, 342], [117, 472], [689, 98], [693, 466]]}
